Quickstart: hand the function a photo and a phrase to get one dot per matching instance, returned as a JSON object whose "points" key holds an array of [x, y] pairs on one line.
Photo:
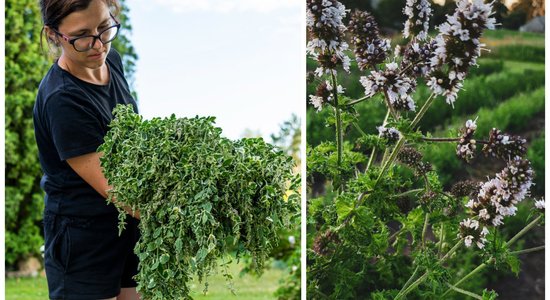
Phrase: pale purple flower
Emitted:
{"points": [[418, 13], [497, 198], [539, 204], [327, 44], [389, 133], [461, 31], [466, 146], [397, 87], [316, 101], [469, 230]]}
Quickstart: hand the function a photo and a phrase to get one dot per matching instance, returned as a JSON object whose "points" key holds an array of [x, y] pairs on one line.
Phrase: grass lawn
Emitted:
{"points": [[247, 287], [26, 288]]}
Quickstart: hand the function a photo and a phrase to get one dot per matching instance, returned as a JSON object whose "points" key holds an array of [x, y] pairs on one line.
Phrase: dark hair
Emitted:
{"points": [[54, 11]]}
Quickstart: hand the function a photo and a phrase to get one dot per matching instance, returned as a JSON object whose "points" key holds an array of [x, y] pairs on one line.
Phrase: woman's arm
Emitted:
{"points": [[88, 167]]}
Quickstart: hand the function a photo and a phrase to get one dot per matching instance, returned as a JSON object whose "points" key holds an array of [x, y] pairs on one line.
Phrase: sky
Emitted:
{"points": [[237, 60]]}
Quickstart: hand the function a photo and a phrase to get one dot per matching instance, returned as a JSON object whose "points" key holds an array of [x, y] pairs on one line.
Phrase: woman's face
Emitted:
{"points": [[90, 21]]}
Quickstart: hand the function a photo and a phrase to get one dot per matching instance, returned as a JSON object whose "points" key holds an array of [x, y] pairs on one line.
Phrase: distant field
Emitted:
{"points": [[508, 37]]}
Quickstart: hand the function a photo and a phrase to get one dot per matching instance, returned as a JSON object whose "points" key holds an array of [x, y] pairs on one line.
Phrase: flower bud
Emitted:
{"points": [[370, 49], [504, 146]]}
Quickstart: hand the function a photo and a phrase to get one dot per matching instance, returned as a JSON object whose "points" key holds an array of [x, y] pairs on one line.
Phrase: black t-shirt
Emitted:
{"points": [[71, 117]]}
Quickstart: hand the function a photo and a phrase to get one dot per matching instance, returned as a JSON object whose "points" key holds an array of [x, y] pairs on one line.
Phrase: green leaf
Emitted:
{"points": [[344, 206], [514, 263], [489, 295], [179, 245], [164, 258]]}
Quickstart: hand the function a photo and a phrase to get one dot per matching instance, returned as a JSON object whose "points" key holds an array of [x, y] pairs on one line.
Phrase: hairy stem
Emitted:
{"points": [[394, 235], [534, 249], [351, 103], [412, 286], [425, 228], [373, 153], [440, 139], [408, 283], [339, 138], [401, 141], [395, 151], [443, 140], [371, 159], [474, 271], [422, 111], [465, 292], [359, 129], [523, 231], [441, 237], [407, 193], [448, 254], [390, 160]]}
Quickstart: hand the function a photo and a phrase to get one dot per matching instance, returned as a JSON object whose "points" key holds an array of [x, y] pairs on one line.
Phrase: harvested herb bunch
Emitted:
{"points": [[200, 196]]}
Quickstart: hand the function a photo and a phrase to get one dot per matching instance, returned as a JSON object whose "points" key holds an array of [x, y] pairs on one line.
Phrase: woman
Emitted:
{"points": [[85, 258]]}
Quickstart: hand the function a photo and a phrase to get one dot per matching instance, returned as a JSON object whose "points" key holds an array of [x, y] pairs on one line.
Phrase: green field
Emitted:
{"points": [[247, 287]]}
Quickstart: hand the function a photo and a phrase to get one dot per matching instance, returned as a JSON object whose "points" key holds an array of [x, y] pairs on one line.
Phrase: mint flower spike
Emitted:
{"points": [[464, 188], [316, 101], [413, 158], [324, 94], [418, 23], [417, 58], [458, 47], [518, 178], [467, 145], [497, 198], [370, 49], [470, 231], [389, 133], [397, 87], [504, 146], [327, 45]]}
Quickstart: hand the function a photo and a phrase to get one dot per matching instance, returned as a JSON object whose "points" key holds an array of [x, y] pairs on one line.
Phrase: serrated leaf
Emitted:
{"points": [[344, 206], [514, 263]]}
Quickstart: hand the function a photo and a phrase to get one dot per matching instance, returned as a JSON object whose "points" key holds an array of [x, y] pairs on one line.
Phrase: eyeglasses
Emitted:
{"points": [[85, 43]]}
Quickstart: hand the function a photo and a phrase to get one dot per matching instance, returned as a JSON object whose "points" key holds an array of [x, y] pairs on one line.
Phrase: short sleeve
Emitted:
{"points": [[116, 60], [74, 124]]}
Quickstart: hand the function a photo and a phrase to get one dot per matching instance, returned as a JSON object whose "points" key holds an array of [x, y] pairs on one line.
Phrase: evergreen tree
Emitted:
{"points": [[25, 66]]}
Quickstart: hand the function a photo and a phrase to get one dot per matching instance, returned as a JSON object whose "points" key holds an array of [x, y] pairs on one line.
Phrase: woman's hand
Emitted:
{"points": [[133, 213], [88, 167]]}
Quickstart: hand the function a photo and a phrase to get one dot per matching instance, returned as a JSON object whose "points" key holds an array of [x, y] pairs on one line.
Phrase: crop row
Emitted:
{"points": [[482, 91], [519, 52]]}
